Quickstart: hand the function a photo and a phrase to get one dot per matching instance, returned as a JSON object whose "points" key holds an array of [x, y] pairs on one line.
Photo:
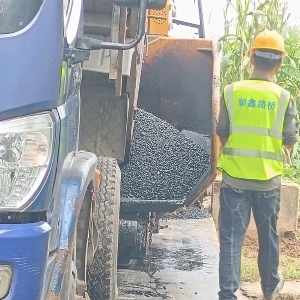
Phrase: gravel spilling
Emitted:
{"points": [[164, 163], [193, 212]]}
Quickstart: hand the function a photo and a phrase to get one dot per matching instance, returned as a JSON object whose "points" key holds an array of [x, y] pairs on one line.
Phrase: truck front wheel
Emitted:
{"points": [[102, 274]]}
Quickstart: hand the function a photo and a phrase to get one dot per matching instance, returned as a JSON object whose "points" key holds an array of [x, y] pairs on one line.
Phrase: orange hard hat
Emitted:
{"points": [[269, 40]]}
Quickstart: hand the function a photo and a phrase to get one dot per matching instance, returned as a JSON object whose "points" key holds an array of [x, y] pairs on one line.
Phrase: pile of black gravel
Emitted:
{"points": [[163, 163], [193, 212]]}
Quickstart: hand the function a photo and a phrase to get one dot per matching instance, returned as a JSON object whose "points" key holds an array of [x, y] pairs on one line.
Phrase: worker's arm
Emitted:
{"points": [[223, 124], [290, 126]]}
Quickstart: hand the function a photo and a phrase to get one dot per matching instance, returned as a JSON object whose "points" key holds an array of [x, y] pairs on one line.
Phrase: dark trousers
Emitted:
{"points": [[234, 217]]}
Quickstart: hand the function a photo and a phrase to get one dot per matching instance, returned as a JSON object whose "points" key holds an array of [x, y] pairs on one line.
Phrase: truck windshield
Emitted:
{"points": [[17, 14]]}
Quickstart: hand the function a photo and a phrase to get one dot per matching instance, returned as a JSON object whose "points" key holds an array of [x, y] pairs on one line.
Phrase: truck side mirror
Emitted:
{"points": [[152, 4]]}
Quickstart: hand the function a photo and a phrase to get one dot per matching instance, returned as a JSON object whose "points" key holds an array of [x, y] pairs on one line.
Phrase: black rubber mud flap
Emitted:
{"points": [[82, 236], [102, 275]]}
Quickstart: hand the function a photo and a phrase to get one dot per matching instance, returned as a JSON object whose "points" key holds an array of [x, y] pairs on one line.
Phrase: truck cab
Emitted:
{"points": [[71, 73]]}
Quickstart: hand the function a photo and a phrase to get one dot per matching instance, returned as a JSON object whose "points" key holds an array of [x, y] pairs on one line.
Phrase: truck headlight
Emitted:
{"points": [[5, 280], [25, 151]]}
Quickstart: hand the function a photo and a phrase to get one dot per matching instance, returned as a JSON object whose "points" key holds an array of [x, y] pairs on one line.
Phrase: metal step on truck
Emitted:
{"points": [[76, 75]]}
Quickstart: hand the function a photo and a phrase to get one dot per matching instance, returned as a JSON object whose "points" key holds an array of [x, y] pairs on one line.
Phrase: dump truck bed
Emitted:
{"points": [[180, 85]]}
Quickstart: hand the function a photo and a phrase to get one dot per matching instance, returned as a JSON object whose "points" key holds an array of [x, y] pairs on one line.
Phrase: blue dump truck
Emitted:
{"points": [[71, 83]]}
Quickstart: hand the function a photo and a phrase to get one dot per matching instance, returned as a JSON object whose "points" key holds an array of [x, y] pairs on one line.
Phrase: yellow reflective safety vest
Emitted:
{"points": [[256, 111]]}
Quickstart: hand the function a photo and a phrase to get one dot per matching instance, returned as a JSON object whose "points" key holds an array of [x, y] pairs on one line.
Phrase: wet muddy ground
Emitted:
{"points": [[184, 264]]}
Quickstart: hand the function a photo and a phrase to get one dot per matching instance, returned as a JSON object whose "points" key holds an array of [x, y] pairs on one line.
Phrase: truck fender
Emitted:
{"points": [[77, 175]]}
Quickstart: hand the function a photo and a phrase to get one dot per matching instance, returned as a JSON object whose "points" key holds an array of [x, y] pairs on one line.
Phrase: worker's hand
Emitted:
{"points": [[288, 151]]}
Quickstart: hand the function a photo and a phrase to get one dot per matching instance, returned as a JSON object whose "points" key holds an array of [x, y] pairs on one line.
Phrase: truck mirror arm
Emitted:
{"points": [[94, 44]]}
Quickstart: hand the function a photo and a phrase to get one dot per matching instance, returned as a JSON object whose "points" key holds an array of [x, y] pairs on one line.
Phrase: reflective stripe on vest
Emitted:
{"points": [[274, 132], [253, 153], [256, 112]]}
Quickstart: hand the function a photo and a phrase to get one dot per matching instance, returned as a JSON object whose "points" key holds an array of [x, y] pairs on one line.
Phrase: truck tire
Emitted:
{"points": [[102, 274]]}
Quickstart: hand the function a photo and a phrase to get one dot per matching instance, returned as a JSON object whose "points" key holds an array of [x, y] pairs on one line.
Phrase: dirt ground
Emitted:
{"points": [[289, 261], [288, 246]]}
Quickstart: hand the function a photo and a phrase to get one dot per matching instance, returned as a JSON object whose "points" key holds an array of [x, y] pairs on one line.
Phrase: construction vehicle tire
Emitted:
{"points": [[102, 274]]}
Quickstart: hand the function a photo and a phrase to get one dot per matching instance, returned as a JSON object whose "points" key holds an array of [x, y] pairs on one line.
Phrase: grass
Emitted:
{"points": [[289, 267], [249, 270]]}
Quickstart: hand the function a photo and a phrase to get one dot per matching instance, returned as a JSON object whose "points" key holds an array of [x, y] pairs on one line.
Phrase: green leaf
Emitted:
{"points": [[229, 37], [296, 163], [230, 4], [258, 13], [244, 19]]}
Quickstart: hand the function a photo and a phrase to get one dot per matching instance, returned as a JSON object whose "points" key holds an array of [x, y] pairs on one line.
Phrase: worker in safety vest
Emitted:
{"points": [[257, 117]]}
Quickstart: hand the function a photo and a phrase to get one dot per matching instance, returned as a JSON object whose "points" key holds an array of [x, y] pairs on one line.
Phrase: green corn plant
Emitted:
{"points": [[289, 74], [243, 20]]}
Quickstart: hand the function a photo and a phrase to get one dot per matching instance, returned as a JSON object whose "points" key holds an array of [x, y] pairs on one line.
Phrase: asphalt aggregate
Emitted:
{"points": [[164, 163]]}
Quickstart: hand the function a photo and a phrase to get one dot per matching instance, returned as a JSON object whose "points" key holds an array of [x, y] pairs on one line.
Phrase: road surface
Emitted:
{"points": [[184, 265]]}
